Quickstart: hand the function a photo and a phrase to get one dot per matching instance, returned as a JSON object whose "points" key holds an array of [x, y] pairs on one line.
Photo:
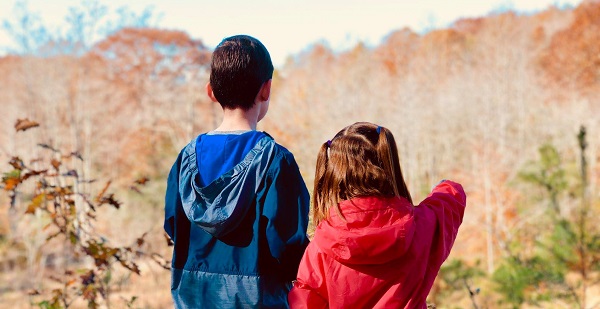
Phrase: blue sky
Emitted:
{"points": [[287, 27]]}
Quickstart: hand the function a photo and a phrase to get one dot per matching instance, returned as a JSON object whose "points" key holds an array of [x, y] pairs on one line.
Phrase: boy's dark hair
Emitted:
{"points": [[240, 65]]}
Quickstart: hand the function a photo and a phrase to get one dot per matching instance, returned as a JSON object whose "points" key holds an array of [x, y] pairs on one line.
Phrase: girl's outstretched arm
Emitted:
{"points": [[447, 201], [309, 289]]}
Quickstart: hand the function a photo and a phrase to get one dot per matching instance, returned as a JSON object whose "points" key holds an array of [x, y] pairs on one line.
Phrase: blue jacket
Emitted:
{"points": [[237, 241]]}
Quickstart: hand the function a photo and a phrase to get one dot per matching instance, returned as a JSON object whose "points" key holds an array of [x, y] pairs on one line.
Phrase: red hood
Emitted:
{"points": [[376, 230]]}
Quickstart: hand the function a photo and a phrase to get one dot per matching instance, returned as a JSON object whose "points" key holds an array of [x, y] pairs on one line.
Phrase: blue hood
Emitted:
{"points": [[219, 207]]}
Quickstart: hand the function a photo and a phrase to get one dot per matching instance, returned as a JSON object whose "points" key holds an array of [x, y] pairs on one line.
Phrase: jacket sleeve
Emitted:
{"points": [[286, 208], [448, 202], [310, 288], [172, 199]]}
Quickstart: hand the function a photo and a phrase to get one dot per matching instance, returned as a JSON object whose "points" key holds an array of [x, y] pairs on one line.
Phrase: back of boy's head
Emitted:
{"points": [[240, 65], [361, 160]]}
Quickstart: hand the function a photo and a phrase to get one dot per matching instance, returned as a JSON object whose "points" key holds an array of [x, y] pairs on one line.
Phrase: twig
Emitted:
{"points": [[471, 293]]}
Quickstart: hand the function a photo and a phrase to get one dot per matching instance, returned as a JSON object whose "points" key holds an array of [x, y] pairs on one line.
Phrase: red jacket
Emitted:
{"points": [[385, 255]]}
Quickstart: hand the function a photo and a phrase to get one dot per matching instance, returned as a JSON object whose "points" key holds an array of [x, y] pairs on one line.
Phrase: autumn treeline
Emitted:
{"points": [[473, 102]]}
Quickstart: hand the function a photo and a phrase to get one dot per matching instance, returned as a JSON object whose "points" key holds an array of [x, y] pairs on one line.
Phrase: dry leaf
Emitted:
{"points": [[55, 163], [17, 163], [25, 124], [142, 181]]}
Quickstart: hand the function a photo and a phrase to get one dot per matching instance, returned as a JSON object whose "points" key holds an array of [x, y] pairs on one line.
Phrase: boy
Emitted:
{"points": [[236, 206]]}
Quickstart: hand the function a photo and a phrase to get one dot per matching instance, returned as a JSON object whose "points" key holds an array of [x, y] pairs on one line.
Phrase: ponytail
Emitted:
{"points": [[319, 207], [388, 153]]}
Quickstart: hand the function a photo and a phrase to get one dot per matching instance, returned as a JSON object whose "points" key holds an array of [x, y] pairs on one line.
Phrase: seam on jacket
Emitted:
{"points": [[369, 210], [278, 156], [223, 272]]}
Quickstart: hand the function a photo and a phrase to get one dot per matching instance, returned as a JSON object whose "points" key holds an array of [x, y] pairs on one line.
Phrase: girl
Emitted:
{"points": [[372, 248]]}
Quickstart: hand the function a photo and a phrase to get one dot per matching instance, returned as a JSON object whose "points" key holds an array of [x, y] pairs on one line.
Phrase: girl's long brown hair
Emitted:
{"points": [[358, 161]]}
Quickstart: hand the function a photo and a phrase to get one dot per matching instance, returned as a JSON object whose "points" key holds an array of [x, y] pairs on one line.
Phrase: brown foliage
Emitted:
{"points": [[134, 51], [444, 49], [397, 51], [56, 195], [469, 25], [572, 58]]}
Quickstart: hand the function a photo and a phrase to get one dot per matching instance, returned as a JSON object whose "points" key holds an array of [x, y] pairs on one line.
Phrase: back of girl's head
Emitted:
{"points": [[239, 66], [361, 160]]}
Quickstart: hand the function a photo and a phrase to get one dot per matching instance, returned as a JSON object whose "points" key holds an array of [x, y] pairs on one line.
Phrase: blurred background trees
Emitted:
{"points": [[497, 103]]}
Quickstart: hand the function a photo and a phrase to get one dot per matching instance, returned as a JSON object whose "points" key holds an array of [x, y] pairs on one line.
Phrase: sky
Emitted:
{"points": [[288, 27]]}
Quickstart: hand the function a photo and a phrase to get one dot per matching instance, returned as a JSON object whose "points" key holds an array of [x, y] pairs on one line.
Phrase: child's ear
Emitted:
{"points": [[210, 93], [265, 91]]}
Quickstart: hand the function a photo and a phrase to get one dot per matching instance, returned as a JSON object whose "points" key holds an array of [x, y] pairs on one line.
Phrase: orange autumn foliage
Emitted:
{"points": [[572, 59]]}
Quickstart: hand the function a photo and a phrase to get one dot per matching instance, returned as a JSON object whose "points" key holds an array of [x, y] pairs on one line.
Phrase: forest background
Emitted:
{"points": [[506, 104]]}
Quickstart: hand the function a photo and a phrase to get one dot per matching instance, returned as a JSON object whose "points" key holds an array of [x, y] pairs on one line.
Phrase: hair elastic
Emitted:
{"points": [[328, 143], [378, 129]]}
